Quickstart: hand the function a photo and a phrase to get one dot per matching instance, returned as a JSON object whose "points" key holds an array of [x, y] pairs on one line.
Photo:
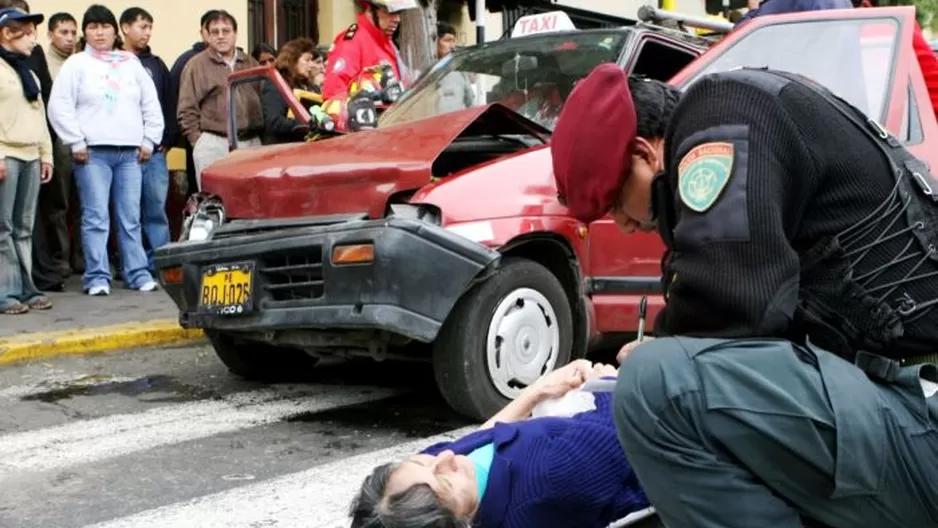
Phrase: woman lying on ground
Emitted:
{"points": [[515, 471]]}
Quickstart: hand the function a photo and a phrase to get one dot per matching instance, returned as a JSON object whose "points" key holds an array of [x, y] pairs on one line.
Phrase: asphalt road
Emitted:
{"points": [[167, 438]]}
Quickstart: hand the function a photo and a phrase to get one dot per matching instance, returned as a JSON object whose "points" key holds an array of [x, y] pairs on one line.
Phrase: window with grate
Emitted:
{"points": [[297, 18], [256, 21]]}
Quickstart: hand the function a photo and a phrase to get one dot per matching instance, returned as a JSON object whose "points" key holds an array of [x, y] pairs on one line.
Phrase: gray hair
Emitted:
{"points": [[416, 507]]}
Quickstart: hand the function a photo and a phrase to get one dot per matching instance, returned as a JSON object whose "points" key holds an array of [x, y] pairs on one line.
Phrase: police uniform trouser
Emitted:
{"points": [[755, 433]]}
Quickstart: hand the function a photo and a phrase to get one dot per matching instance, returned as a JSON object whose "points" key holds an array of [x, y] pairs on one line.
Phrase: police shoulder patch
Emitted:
{"points": [[350, 32], [703, 174]]}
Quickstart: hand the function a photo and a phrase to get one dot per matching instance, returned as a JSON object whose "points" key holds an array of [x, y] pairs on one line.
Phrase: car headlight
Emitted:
{"points": [[203, 215], [427, 213]]}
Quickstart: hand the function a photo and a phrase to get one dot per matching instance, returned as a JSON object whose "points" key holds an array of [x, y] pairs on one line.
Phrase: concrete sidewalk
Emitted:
{"points": [[81, 324]]}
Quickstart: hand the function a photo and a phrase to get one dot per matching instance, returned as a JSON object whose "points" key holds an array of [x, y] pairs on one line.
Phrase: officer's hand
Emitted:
{"points": [[629, 347]]}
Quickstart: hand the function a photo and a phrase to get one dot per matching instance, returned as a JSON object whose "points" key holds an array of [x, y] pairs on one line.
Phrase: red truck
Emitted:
{"points": [[438, 236]]}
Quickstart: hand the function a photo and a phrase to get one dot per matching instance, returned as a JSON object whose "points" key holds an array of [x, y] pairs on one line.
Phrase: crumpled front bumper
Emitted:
{"points": [[418, 273]]}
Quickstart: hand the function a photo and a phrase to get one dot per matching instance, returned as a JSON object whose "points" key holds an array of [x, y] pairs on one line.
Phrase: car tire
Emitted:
{"points": [[475, 355], [257, 361]]}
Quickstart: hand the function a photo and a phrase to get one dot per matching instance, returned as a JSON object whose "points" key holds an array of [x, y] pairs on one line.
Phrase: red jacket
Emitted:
{"points": [[360, 46]]}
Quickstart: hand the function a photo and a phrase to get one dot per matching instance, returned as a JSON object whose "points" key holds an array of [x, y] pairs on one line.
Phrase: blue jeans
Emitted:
{"points": [[19, 197], [153, 204], [111, 174]]}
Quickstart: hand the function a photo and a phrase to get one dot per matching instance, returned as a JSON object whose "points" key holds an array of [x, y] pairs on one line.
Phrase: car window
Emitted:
{"points": [[853, 58], [660, 61], [531, 75]]}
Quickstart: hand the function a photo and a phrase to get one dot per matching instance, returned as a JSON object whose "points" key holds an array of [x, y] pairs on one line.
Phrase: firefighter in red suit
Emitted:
{"points": [[366, 43]]}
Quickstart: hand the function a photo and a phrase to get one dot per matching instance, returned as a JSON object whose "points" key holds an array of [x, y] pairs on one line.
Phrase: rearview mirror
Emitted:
{"points": [[519, 64]]}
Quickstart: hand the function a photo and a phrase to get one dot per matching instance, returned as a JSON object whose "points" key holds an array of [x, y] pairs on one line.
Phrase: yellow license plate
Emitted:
{"points": [[227, 289]]}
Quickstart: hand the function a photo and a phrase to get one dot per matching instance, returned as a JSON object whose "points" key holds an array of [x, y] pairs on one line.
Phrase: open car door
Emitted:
{"points": [[863, 55], [254, 79]]}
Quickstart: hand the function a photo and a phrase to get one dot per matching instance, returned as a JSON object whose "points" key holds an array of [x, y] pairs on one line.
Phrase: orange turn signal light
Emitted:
{"points": [[353, 254], [171, 275]]}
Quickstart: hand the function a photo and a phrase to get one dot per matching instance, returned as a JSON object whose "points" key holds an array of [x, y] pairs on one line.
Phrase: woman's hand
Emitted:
{"points": [[629, 347], [45, 173], [3, 169], [561, 381], [80, 156], [601, 370]]}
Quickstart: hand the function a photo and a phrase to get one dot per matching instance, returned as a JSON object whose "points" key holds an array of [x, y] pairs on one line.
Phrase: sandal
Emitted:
{"points": [[40, 303], [15, 309]]}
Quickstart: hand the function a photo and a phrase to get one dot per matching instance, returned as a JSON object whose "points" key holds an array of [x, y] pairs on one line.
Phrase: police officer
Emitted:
{"points": [[791, 375], [366, 43]]}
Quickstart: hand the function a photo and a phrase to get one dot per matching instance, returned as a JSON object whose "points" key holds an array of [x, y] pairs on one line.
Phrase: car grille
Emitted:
{"points": [[293, 276]]}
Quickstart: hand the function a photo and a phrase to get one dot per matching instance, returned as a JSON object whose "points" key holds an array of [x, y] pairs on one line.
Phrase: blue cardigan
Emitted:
{"points": [[554, 472]]}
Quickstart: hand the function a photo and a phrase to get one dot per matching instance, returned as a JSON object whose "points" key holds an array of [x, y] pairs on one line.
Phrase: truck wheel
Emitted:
{"points": [[261, 361], [502, 335]]}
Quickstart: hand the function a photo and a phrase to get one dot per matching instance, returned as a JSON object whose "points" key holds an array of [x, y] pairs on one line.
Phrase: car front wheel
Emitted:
{"points": [[502, 336]]}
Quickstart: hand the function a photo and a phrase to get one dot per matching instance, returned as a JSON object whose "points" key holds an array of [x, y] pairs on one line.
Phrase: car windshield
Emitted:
{"points": [[530, 75], [852, 58]]}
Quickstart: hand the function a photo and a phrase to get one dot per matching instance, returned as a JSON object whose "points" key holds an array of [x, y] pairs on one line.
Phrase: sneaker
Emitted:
{"points": [[148, 286], [99, 291]]}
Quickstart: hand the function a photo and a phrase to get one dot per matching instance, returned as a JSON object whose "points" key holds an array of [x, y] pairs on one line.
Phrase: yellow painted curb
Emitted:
{"points": [[30, 347]]}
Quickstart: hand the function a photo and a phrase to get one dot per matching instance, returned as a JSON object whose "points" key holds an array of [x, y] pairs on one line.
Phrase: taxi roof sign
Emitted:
{"points": [[542, 23]]}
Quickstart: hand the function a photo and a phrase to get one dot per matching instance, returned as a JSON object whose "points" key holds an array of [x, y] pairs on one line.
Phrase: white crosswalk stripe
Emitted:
{"points": [[316, 495], [92, 440]]}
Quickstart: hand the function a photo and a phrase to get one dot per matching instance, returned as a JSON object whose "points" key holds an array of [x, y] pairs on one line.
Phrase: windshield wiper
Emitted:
{"points": [[526, 140]]}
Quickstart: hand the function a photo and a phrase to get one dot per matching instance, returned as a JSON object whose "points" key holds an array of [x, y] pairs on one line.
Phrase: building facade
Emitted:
{"points": [[176, 25]]}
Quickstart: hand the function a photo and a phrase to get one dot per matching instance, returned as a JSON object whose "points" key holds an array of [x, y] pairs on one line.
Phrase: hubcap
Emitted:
{"points": [[522, 341]]}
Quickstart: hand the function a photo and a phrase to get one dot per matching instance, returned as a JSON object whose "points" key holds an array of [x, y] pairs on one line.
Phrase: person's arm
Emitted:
{"points": [[276, 123], [551, 385], [45, 145], [742, 175], [63, 106], [344, 65], [151, 110], [175, 74], [188, 111], [168, 100]]}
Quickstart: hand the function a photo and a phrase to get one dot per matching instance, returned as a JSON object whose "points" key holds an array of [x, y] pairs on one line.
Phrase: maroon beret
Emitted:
{"points": [[592, 142]]}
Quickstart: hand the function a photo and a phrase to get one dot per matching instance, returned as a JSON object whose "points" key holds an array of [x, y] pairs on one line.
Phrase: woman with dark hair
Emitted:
{"points": [[297, 62], [105, 108], [264, 54], [25, 161], [513, 472]]}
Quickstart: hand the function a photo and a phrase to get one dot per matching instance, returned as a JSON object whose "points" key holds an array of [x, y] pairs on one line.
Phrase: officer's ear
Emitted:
{"points": [[651, 152]]}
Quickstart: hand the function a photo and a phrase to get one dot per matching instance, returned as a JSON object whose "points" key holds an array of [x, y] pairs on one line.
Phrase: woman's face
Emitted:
{"points": [[319, 67], [451, 477], [304, 66], [20, 40], [266, 59], [100, 36]]}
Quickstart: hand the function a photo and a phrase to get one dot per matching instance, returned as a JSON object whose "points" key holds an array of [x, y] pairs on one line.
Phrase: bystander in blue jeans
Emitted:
{"points": [[19, 197], [111, 173], [153, 205]]}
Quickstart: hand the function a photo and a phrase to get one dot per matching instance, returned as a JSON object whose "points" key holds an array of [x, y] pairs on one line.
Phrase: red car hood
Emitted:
{"points": [[348, 174]]}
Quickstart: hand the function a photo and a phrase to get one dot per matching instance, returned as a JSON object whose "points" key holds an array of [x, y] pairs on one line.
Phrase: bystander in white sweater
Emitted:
{"points": [[105, 99]]}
